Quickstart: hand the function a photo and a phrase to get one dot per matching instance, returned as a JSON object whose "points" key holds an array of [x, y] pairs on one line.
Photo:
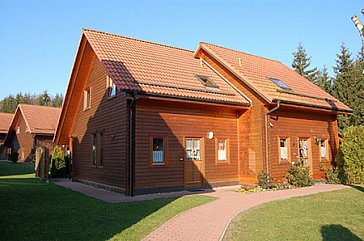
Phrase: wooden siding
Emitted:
{"points": [[176, 121], [288, 123], [106, 115], [251, 126]]}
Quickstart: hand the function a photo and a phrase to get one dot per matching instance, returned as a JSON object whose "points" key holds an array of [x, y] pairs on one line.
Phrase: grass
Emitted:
{"points": [[34, 210], [337, 215]]}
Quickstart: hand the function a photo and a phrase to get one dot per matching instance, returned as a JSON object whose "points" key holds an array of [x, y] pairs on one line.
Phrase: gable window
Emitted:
{"points": [[283, 150], [18, 130], [206, 81], [280, 83], [87, 98], [323, 150], [158, 150], [222, 146], [110, 87], [97, 149]]}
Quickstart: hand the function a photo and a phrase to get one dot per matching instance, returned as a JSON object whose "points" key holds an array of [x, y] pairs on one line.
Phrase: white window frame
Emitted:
{"points": [[87, 101], [110, 87], [283, 151]]}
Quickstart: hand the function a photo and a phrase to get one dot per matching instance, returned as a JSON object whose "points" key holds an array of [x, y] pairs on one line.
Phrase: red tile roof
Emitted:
{"points": [[255, 71], [158, 69], [39, 119], [5, 121]]}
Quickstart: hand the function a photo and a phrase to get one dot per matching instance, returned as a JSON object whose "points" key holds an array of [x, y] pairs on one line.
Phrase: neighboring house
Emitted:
{"points": [[142, 117], [32, 126], [5, 121]]}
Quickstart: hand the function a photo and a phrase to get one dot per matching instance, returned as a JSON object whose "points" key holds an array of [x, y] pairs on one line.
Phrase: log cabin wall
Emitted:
{"points": [[251, 126], [21, 140], [175, 121], [298, 124], [107, 115]]}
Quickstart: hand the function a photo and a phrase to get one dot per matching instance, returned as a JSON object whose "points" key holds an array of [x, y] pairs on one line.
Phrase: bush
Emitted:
{"points": [[332, 176], [58, 163], [299, 176], [14, 157], [351, 156], [265, 181]]}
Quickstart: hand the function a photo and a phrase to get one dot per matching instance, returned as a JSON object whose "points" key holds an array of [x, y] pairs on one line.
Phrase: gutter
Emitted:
{"points": [[132, 112], [266, 134]]}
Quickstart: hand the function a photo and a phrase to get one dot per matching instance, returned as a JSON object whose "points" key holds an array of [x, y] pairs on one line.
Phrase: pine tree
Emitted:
{"points": [[57, 100], [301, 64], [356, 98], [343, 88], [324, 80], [9, 104]]}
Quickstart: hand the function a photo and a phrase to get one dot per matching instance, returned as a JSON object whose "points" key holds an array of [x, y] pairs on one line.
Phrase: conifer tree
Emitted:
{"points": [[343, 88], [324, 80], [301, 64]]}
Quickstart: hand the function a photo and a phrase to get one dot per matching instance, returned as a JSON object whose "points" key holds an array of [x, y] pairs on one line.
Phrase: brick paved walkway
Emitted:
{"points": [[209, 221]]}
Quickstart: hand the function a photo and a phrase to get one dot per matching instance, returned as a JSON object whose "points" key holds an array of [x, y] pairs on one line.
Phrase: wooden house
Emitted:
{"points": [[32, 126], [5, 121], [141, 117]]}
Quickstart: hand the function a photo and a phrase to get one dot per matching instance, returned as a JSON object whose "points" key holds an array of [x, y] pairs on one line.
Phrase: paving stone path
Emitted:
{"points": [[209, 222]]}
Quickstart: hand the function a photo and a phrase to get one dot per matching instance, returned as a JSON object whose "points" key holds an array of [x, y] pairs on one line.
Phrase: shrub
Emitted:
{"points": [[265, 181], [351, 156], [299, 176], [14, 157], [332, 176], [58, 163]]}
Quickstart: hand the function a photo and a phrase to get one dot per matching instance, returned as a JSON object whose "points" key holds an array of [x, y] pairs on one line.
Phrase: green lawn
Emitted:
{"points": [[337, 215], [34, 210]]}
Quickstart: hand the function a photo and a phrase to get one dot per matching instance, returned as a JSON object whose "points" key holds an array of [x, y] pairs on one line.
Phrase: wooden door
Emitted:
{"points": [[194, 163], [305, 155]]}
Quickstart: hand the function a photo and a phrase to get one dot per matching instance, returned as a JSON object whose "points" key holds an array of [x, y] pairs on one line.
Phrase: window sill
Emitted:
{"points": [[222, 162], [97, 167], [111, 97], [157, 164], [285, 162]]}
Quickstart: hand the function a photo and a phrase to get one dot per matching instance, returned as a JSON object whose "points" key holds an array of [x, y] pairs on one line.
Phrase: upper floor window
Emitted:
{"points": [[323, 150], [280, 83], [283, 149], [18, 130], [206, 81], [158, 150], [87, 98], [110, 87]]}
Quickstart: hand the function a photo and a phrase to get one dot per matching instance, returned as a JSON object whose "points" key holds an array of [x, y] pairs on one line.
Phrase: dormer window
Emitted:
{"points": [[206, 81], [279, 83], [110, 87]]}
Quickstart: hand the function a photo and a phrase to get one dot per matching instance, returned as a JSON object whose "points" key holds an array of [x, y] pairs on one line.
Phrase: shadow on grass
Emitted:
{"points": [[337, 232], [50, 212], [10, 169], [357, 187]]}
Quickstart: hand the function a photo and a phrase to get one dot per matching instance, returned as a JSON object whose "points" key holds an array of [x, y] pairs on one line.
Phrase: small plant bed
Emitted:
{"points": [[297, 175]]}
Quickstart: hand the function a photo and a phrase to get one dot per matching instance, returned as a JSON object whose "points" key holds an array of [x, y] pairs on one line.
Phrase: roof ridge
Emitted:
{"points": [[254, 55], [135, 39], [42, 106]]}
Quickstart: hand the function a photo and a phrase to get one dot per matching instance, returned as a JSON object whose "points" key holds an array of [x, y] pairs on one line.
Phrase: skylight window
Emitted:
{"points": [[280, 83], [206, 81]]}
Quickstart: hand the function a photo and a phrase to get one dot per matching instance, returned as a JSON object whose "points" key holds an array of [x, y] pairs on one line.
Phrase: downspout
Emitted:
{"points": [[132, 144], [266, 134]]}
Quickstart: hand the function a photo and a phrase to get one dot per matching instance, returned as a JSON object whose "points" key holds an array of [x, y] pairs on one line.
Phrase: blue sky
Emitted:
{"points": [[39, 39]]}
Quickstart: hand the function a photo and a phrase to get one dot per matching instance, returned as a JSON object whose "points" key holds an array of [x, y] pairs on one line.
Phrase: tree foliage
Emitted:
{"points": [[10, 103], [324, 80], [351, 155], [302, 62]]}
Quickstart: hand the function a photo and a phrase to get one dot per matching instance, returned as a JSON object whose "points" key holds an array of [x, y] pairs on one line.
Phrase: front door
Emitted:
{"points": [[305, 154], [194, 163]]}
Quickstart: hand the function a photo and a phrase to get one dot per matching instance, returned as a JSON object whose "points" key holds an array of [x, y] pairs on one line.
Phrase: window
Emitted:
{"points": [[97, 149], [206, 81], [222, 146], [18, 130], [193, 149], [323, 150], [158, 151], [87, 99], [280, 83], [110, 87], [283, 149]]}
